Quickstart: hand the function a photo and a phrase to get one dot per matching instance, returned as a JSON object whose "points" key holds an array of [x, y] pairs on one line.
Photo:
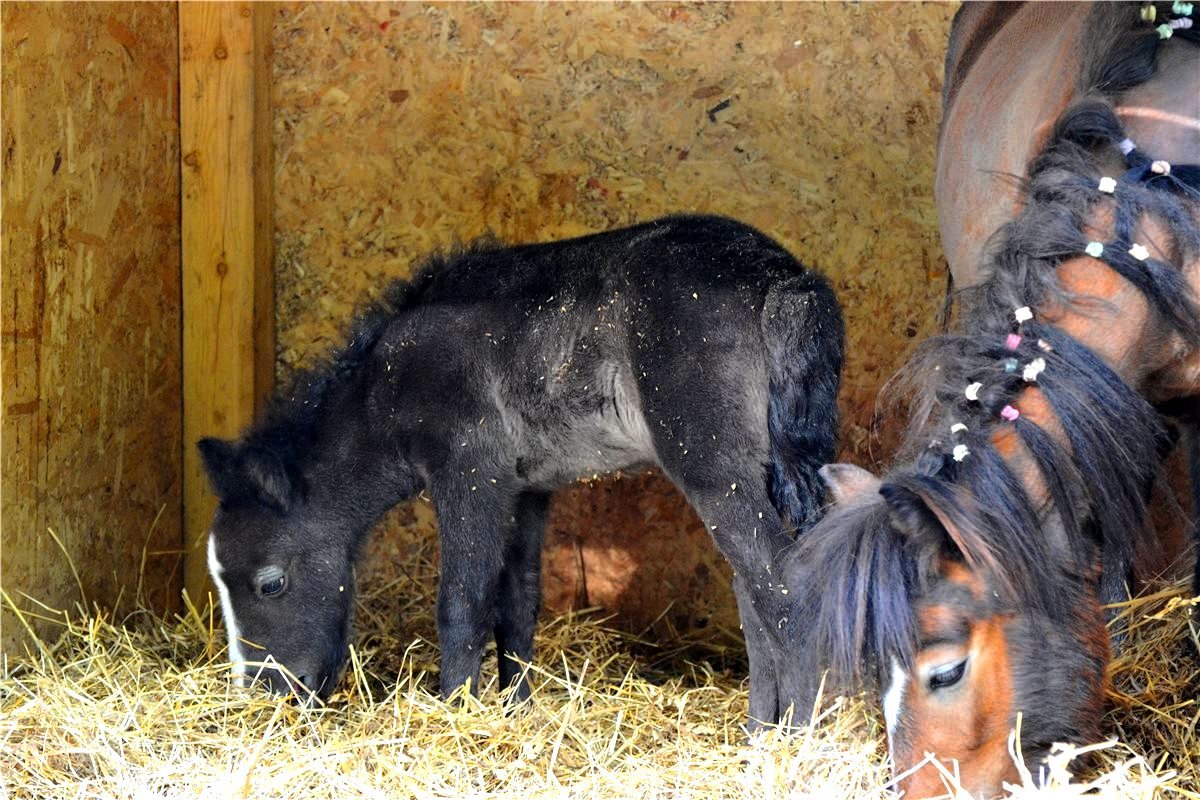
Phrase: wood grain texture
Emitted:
{"points": [[228, 313], [402, 128], [90, 350]]}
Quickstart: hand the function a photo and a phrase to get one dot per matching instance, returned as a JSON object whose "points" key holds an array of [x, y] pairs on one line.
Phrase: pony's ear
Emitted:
{"points": [[913, 519], [245, 472], [847, 482]]}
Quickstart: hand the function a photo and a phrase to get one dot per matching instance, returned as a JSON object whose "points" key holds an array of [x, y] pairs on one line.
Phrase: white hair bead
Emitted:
{"points": [[957, 427], [1033, 369], [972, 391], [960, 452], [1139, 252], [1023, 314], [1107, 185]]}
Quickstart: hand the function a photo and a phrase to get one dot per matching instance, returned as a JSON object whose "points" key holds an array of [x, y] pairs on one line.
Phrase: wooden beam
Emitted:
{"points": [[89, 313], [228, 283]]}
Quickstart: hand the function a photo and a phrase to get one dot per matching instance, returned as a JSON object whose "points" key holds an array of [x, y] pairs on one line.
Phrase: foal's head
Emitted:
{"points": [[901, 583], [283, 568]]}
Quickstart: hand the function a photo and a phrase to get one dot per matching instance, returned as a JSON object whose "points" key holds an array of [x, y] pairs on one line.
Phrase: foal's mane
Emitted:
{"points": [[860, 608], [288, 426]]}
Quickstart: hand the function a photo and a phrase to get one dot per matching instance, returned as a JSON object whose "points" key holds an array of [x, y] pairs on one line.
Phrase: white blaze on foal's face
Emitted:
{"points": [[236, 657]]}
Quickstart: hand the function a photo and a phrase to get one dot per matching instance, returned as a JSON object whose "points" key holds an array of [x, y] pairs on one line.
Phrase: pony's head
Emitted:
{"points": [[283, 568], [904, 588]]}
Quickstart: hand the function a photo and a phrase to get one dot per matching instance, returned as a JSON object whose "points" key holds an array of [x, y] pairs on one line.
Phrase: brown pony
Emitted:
{"points": [[969, 581]]}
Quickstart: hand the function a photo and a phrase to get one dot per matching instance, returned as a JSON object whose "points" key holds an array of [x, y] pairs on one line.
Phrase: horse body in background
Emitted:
{"points": [[496, 376], [968, 582]]}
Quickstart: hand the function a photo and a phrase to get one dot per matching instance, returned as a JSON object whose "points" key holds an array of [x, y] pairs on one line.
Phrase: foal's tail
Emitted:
{"points": [[803, 331]]}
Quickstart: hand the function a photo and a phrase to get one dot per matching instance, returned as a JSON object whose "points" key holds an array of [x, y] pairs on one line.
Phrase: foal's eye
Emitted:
{"points": [[947, 675], [273, 585]]}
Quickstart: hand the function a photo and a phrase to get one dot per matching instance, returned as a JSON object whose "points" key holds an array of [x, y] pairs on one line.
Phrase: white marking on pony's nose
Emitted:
{"points": [[236, 658], [893, 700]]}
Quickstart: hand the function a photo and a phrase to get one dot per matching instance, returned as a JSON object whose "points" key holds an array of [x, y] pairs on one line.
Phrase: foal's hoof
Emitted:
{"points": [[517, 700]]}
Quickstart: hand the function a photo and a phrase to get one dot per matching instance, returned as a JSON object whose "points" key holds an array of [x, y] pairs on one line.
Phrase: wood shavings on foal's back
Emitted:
{"points": [[147, 711]]}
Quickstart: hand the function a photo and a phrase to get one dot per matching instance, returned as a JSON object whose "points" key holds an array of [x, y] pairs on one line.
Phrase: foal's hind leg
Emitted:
{"points": [[747, 529], [519, 594], [760, 651], [1193, 445]]}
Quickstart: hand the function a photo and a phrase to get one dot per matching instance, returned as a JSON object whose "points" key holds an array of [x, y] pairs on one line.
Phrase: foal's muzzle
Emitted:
{"points": [[305, 685]]}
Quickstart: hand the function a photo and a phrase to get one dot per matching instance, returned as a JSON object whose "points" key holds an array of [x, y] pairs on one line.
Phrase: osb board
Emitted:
{"points": [[90, 348], [401, 128]]}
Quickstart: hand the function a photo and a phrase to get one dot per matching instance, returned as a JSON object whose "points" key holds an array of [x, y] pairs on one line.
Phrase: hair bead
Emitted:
{"points": [[960, 452], [972, 391], [1166, 30], [1127, 146], [1094, 249], [958, 427], [1009, 413], [1148, 13], [1023, 314], [1139, 252], [1012, 341], [1033, 369], [1107, 185], [1160, 167]]}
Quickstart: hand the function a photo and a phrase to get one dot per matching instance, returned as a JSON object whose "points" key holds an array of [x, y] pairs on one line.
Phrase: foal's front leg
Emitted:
{"points": [[472, 518]]}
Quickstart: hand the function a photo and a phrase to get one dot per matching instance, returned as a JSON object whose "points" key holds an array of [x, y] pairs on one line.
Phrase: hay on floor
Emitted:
{"points": [[146, 710]]}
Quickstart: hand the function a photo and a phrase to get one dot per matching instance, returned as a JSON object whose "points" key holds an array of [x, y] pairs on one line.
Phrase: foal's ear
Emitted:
{"points": [[245, 472], [847, 482], [219, 457]]}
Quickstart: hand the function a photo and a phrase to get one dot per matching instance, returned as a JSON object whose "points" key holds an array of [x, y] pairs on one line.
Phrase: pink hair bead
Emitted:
{"points": [[1013, 341], [1010, 413]]}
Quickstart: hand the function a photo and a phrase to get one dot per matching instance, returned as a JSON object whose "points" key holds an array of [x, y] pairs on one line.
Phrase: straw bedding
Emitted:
{"points": [[144, 709]]}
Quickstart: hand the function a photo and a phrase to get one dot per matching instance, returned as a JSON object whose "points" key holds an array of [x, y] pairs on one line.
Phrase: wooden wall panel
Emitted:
{"points": [[228, 300], [90, 312], [400, 128]]}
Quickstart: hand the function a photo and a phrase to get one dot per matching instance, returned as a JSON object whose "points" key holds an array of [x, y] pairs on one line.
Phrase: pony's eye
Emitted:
{"points": [[947, 675], [273, 586]]}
